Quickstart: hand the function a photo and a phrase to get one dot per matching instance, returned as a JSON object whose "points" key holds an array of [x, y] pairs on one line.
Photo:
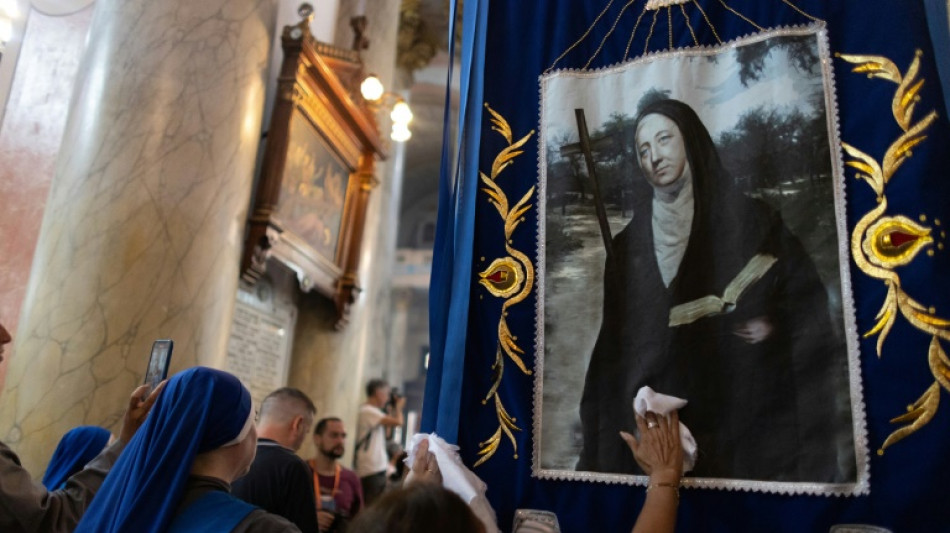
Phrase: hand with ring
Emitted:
{"points": [[425, 467], [659, 451]]}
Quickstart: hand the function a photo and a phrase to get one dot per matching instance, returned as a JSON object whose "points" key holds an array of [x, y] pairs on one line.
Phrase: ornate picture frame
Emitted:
{"points": [[317, 172]]}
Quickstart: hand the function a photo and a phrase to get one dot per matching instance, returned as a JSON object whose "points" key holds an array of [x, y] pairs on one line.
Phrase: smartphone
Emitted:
{"points": [[158, 363]]}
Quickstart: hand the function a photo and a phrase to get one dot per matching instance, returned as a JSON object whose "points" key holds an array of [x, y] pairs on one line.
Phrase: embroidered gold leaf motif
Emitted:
{"points": [[514, 217], [939, 364], [857, 251], [906, 96], [496, 196], [918, 414], [879, 243], [900, 149], [511, 278], [886, 317], [873, 66], [510, 347], [499, 123], [504, 158], [867, 168]]}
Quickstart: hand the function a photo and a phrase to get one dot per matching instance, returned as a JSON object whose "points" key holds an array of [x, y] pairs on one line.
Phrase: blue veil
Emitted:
{"points": [[200, 409], [77, 447]]}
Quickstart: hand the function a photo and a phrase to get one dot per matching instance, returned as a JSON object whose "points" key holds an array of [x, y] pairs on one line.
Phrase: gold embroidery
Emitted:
{"points": [[710, 24], [510, 277], [688, 25], [502, 278], [669, 24], [609, 33], [646, 43], [894, 241], [579, 41], [800, 12], [656, 6], [879, 243], [740, 15], [636, 25]]}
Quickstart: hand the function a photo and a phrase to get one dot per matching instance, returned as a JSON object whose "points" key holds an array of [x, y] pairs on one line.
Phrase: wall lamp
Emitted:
{"points": [[373, 92]]}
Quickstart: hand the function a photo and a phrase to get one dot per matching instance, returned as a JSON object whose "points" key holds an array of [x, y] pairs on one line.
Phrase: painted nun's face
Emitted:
{"points": [[660, 150]]}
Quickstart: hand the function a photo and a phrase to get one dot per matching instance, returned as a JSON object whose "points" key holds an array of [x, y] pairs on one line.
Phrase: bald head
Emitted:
{"points": [[286, 417]]}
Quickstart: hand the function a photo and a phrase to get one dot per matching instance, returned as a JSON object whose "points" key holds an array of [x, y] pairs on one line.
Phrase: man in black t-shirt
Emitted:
{"points": [[279, 481]]}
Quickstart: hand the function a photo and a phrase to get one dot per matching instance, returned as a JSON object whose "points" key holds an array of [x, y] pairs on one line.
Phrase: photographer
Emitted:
{"points": [[371, 460]]}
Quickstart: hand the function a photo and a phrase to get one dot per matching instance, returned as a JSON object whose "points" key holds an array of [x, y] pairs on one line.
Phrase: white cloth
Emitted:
{"points": [[371, 457], [455, 476], [672, 223], [649, 400]]}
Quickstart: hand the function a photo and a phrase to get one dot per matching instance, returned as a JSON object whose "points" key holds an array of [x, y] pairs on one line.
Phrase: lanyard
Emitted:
{"points": [[316, 482]]}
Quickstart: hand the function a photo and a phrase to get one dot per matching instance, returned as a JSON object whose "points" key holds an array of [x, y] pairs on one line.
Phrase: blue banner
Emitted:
{"points": [[828, 124]]}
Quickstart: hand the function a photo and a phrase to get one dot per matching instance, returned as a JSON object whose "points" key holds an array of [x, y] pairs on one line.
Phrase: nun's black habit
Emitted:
{"points": [[777, 410]]}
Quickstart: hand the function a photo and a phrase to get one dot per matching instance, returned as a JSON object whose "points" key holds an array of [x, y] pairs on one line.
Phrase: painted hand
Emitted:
{"points": [[754, 330]]}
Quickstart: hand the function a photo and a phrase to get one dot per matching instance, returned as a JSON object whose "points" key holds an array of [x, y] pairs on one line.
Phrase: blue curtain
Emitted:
{"points": [[451, 269]]}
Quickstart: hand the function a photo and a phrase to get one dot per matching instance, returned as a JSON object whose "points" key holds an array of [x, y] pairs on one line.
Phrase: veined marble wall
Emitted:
{"points": [[30, 138], [142, 234]]}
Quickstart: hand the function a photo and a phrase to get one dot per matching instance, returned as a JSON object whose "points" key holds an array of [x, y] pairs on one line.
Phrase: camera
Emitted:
{"points": [[394, 397]]}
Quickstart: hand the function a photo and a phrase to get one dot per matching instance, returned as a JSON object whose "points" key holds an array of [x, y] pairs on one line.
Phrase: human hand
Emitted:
{"points": [[325, 520], [659, 452], [400, 402], [754, 330], [425, 467], [139, 406]]}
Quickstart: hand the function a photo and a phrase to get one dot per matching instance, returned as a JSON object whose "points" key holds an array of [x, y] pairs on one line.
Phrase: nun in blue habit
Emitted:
{"points": [[175, 475], [77, 447]]}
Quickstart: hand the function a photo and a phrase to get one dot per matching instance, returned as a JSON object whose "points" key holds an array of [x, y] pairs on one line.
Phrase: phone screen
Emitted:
{"points": [[158, 362]]}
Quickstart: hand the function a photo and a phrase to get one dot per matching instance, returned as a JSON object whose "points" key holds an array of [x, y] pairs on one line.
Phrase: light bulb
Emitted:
{"points": [[400, 133], [371, 88], [401, 113]]}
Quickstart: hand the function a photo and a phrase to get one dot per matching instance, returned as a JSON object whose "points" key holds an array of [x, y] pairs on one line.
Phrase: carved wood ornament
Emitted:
{"points": [[317, 171]]}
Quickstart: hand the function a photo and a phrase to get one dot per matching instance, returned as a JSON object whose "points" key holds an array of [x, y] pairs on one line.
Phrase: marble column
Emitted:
{"points": [[143, 229], [34, 119]]}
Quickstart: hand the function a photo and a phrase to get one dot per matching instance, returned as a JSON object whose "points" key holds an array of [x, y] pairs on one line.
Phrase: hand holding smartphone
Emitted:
{"points": [[158, 363]]}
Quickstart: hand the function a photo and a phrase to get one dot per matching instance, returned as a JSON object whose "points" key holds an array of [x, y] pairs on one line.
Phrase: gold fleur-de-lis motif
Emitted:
{"points": [[880, 244]]}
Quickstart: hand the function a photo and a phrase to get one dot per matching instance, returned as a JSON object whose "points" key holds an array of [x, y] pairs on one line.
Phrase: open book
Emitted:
{"points": [[716, 305]]}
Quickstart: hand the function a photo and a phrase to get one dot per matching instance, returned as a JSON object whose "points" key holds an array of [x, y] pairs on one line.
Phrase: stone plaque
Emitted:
{"points": [[260, 342]]}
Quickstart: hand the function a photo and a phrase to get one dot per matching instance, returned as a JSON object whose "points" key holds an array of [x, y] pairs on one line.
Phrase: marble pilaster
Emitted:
{"points": [[47, 61], [143, 229]]}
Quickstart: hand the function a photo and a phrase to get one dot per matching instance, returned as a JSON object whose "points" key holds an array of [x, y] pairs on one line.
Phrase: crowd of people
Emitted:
{"points": [[193, 456]]}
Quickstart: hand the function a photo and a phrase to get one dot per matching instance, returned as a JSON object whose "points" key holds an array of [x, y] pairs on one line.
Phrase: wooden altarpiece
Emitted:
{"points": [[317, 172]]}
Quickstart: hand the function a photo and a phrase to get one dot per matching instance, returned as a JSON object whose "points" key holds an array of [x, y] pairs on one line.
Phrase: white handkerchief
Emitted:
{"points": [[455, 476], [649, 400]]}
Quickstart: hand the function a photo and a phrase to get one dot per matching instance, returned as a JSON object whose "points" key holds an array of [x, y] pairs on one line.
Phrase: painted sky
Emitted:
{"points": [[712, 88]]}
